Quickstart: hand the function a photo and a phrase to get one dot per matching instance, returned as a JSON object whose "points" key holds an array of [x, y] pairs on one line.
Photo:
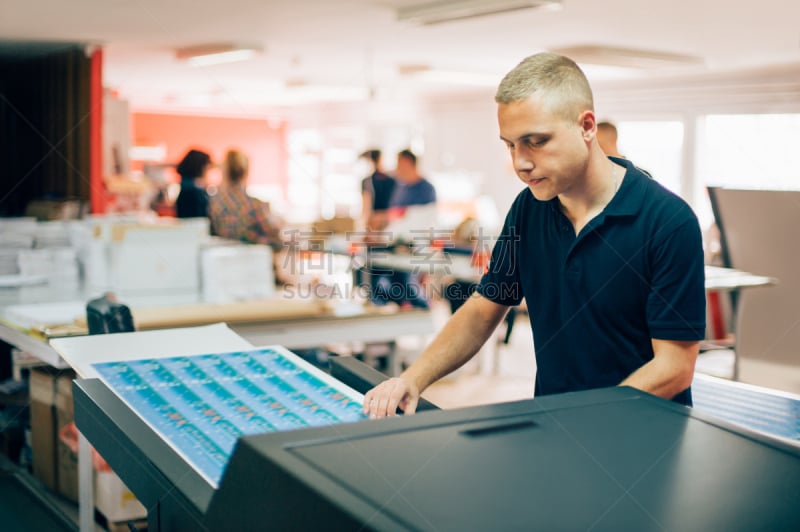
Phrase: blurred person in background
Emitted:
{"points": [[411, 188], [236, 215], [192, 200], [376, 190], [607, 138], [411, 211]]}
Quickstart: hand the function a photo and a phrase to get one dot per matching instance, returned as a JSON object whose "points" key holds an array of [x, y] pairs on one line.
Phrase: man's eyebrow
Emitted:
{"points": [[524, 138]]}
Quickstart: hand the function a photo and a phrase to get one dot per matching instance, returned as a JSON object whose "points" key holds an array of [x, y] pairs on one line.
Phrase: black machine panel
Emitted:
{"points": [[611, 459]]}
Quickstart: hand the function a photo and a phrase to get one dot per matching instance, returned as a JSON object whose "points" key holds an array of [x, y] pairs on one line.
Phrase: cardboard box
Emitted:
{"points": [[22, 362], [336, 225], [114, 500], [54, 463], [66, 459], [54, 209], [51, 409]]}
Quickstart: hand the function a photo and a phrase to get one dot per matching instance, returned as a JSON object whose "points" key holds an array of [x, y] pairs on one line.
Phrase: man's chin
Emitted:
{"points": [[540, 194]]}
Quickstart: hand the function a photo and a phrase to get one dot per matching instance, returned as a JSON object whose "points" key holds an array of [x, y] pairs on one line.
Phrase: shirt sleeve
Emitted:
{"points": [[500, 283], [432, 194], [676, 307]]}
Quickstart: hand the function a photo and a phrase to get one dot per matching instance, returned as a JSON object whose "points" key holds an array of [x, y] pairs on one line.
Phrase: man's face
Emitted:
{"points": [[550, 153], [406, 171]]}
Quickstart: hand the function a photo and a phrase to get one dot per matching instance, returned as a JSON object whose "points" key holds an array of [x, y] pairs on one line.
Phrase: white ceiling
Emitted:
{"points": [[352, 49]]}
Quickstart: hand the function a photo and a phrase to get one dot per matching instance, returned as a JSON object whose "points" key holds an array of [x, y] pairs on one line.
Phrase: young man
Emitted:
{"points": [[609, 262]]}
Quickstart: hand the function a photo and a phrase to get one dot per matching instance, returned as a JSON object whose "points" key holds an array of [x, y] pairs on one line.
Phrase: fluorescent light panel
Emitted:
{"points": [[215, 54], [626, 57], [450, 10], [454, 77], [426, 74]]}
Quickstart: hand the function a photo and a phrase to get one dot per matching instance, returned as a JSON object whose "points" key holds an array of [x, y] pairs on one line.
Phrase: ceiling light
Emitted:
{"points": [[409, 69], [626, 57], [440, 11], [293, 83], [214, 54], [454, 77], [423, 73]]}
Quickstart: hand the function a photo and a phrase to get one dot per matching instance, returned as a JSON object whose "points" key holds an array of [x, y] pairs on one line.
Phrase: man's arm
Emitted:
{"points": [[366, 204], [670, 372], [462, 337]]}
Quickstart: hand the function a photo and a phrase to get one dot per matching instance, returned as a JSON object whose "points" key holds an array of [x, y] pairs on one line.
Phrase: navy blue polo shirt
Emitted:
{"points": [[635, 272]]}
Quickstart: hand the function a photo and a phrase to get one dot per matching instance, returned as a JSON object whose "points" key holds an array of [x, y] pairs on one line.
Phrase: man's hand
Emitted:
{"points": [[383, 400], [459, 340]]}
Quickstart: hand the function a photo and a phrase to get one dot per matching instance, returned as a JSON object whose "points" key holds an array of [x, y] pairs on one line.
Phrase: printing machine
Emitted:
{"points": [[607, 459]]}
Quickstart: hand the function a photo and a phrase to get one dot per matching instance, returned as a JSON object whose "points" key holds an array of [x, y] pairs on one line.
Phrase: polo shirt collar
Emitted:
{"points": [[630, 197]]}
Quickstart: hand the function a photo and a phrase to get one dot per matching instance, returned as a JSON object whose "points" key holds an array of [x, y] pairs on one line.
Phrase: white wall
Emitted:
{"points": [[461, 134]]}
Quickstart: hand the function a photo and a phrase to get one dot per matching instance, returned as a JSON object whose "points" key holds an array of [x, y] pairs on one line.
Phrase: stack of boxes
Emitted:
{"points": [[54, 463], [131, 257]]}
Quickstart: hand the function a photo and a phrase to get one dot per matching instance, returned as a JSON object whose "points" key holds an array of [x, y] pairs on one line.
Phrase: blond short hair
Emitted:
{"points": [[558, 80], [234, 166]]}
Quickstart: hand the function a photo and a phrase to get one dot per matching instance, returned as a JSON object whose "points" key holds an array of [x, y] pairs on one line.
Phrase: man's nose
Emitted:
{"points": [[523, 163]]}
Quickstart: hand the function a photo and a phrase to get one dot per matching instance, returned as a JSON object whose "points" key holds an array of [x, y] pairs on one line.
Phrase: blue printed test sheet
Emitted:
{"points": [[201, 404]]}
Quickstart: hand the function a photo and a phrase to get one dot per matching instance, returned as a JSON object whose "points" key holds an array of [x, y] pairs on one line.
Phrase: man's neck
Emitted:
{"points": [[599, 188]]}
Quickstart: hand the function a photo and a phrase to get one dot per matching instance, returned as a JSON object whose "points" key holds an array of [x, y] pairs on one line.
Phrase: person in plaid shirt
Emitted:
{"points": [[236, 215]]}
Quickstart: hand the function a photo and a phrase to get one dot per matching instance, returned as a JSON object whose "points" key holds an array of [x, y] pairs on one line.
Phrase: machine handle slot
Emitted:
{"points": [[498, 429]]}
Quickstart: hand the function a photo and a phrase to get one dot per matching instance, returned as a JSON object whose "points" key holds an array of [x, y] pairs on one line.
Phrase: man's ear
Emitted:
{"points": [[588, 124]]}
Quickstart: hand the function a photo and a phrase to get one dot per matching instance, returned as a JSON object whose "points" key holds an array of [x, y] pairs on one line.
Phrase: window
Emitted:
{"points": [[325, 171], [746, 151], [655, 147]]}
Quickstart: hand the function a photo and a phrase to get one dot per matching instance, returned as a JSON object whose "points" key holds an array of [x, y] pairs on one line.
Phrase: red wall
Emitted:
{"points": [[97, 197], [264, 142]]}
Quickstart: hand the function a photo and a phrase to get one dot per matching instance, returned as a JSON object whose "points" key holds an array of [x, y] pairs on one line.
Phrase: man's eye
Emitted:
{"points": [[537, 144]]}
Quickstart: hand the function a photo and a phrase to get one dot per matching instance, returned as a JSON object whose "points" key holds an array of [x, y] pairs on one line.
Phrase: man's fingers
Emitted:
{"points": [[367, 401], [370, 401], [383, 400], [368, 398], [376, 399], [410, 404], [382, 406], [398, 395]]}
